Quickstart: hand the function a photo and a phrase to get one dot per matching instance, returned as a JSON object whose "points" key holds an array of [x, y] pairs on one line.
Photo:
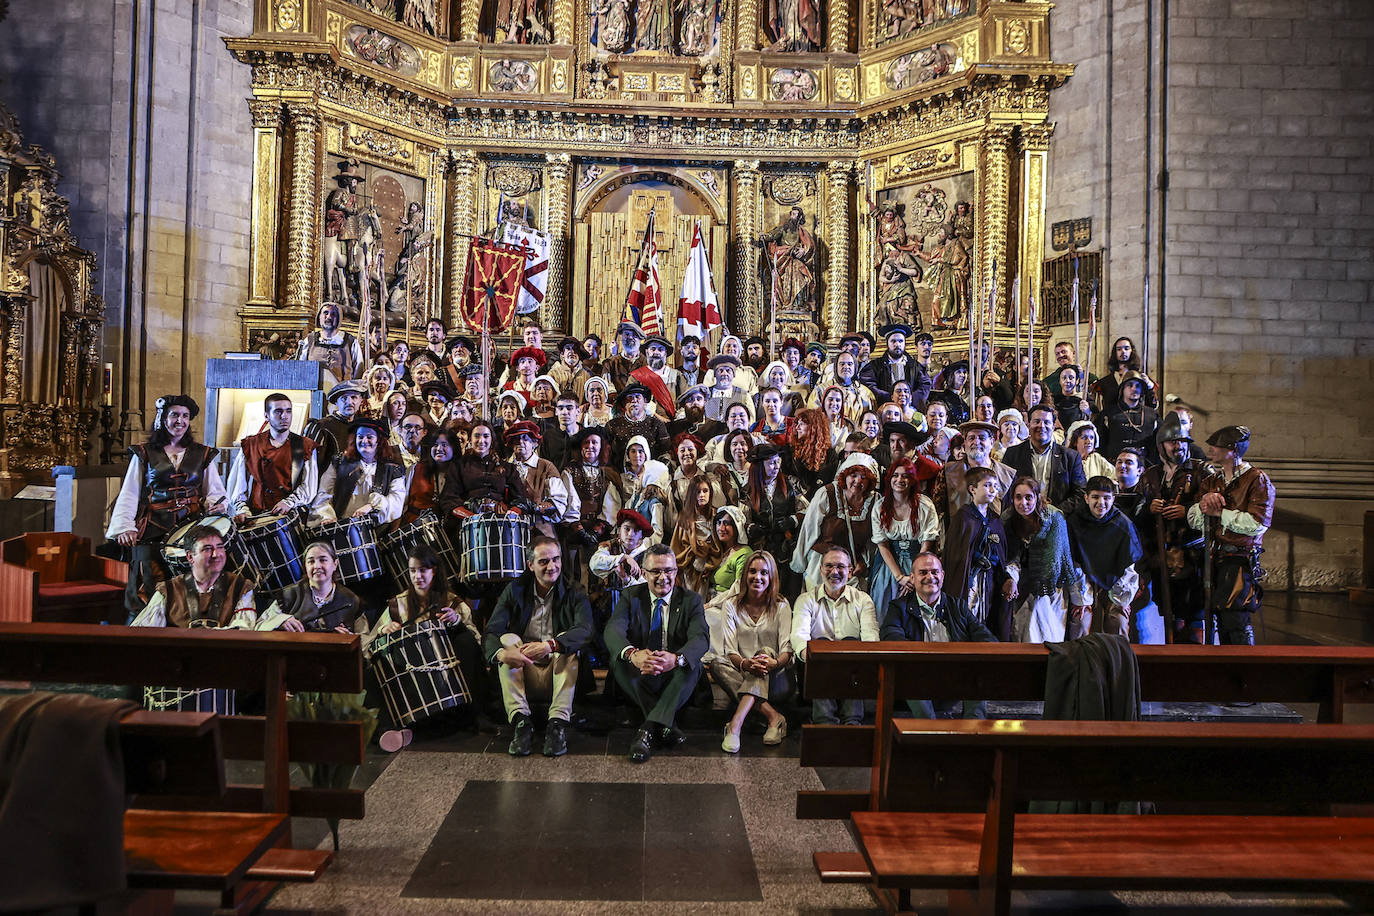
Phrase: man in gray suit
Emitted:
{"points": [[657, 635]]}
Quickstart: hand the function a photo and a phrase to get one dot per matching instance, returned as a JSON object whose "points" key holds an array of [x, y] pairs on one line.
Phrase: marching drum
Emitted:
{"points": [[355, 542], [191, 699], [177, 553], [269, 549], [418, 671], [426, 529], [493, 547]]}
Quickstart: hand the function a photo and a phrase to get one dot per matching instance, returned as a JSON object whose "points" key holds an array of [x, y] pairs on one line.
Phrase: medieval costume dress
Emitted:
{"points": [[830, 523], [903, 537], [1041, 564]]}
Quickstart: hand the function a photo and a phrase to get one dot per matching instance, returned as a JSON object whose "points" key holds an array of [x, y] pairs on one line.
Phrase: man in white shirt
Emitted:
{"points": [[413, 429], [553, 502], [207, 595], [274, 470], [834, 610]]}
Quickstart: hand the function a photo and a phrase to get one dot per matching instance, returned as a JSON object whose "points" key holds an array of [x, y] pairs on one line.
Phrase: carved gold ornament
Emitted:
{"points": [[512, 180], [288, 15], [1017, 39], [791, 189]]}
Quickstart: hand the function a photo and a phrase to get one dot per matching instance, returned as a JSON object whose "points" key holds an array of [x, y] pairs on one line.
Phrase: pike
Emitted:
{"points": [[1077, 353], [1016, 322]]}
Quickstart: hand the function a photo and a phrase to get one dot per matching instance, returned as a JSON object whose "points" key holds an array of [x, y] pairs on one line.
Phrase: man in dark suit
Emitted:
{"points": [[927, 614], [1058, 469], [657, 635], [541, 621]]}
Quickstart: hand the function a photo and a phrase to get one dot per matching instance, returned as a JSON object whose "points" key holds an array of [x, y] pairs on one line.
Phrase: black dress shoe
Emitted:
{"points": [[670, 736], [556, 738], [642, 748], [522, 745]]}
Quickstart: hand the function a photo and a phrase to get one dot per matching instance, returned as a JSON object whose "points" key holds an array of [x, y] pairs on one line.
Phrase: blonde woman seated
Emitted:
{"points": [[755, 666]]}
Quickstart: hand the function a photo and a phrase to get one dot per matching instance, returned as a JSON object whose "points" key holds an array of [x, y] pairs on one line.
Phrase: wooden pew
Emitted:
{"points": [[948, 817], [273, 663], [894, 671]]}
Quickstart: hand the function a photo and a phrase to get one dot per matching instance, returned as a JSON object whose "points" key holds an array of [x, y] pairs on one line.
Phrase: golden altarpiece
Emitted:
{"points": [[849, 161], [51, 319]]}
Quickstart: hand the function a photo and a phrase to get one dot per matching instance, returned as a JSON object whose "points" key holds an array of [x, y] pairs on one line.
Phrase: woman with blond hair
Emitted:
{"points": [[755, 665]]}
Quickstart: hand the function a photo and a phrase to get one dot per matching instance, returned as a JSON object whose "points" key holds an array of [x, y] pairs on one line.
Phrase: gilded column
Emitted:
{"points": [[470, 18], [562, 22], [745, 208], [303, 231], [995, 218], [747, 25], [558, 173], [838, 290], [838, 26], [262, 254], [462, 211], [13, 309], [1035, 144]]}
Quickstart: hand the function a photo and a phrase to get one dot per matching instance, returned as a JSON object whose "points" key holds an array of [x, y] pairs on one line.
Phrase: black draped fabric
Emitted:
{"points": [[1102, 547]]}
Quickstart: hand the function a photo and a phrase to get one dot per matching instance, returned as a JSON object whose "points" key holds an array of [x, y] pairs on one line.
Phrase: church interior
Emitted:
{"points": [[208, 207]]}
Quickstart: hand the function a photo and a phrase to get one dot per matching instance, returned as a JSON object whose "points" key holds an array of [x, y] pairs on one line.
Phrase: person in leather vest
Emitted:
{"points": [[364, 479], [207, 595], [171, 478], [275, 469]]}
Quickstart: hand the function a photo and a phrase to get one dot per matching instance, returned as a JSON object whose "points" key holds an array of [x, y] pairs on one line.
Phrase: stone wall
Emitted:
{"points": [[1270, 228], [146, 82]]}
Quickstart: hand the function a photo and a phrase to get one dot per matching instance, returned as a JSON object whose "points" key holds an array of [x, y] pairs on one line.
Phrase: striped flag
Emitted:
{"points": [[644, 304], [698, 309], [536, 245]]}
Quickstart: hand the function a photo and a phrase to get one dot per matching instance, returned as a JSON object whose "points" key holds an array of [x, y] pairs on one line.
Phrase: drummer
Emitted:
{"points": [[430, 596], [208, 594], [274, 470], [434, 479], [553, 502], [365, 479], [171, 478], [330, 432], [318, 603], [541, 622], [485, 482]]}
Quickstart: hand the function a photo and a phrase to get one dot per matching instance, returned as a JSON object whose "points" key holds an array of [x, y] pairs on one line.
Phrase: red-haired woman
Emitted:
{"points": [[810, 458], [904, 525]]}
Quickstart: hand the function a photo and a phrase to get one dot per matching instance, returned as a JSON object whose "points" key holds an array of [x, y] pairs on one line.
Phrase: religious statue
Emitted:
{"points": [[794, 25], [950, 279], [341, 230], [613, 25], [512, 213], [791, 255], [897, 279], [649, 25], [899, 18], [521, 22], [697, 28], [513, 76]]}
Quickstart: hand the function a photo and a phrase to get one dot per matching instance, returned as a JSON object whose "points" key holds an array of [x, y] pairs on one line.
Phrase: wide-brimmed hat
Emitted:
{"points": [[1229, 436], [349, 387], [633, 388], [970, 425], [348, 168], [660, 340], [181, 400]]}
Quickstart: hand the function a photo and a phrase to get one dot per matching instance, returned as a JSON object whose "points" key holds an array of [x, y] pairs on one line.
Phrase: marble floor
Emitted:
{"points": [[455, 825]]}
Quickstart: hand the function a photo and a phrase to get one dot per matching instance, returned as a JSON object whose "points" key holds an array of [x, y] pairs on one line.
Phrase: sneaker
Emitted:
{"points": [[730, 743], [395, 739], [776, 733], [522, 744], [556, 738]]}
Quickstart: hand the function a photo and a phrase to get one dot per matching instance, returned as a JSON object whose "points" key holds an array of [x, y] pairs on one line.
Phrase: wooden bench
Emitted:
{"points": [[168, 841], [949, 815], [894, 671], [53, 577]]}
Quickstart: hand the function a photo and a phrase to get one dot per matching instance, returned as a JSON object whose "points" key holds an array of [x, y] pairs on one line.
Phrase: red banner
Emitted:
{"points": [[494, 275]]}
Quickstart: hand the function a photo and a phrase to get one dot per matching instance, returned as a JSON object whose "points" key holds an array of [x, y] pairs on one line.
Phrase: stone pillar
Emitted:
{"points": [[745, 230], [747, 26], [558, 174], [1035, 144], [994, 218], [303, 229], [462, 212], [837, 26], [262, 253], [838, 289]]}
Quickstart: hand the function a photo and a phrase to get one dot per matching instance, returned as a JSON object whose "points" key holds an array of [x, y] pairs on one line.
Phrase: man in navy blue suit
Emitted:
{"points": [[657, 635]]}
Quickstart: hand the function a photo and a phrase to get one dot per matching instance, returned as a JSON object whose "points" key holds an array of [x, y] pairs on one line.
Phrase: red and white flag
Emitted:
{"points": [[536, 245], [698, 309], [644, 304]]}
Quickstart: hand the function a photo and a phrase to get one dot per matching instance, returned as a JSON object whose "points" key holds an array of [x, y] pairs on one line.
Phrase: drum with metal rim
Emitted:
{"points": [[191, 699], [177, 553], [427, 530], [355, 542], [418, 671], [269, 550], [493, 547]]}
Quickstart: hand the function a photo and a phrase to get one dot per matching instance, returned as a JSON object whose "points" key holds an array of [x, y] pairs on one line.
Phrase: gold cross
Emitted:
{"points": [[48, 552]]}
